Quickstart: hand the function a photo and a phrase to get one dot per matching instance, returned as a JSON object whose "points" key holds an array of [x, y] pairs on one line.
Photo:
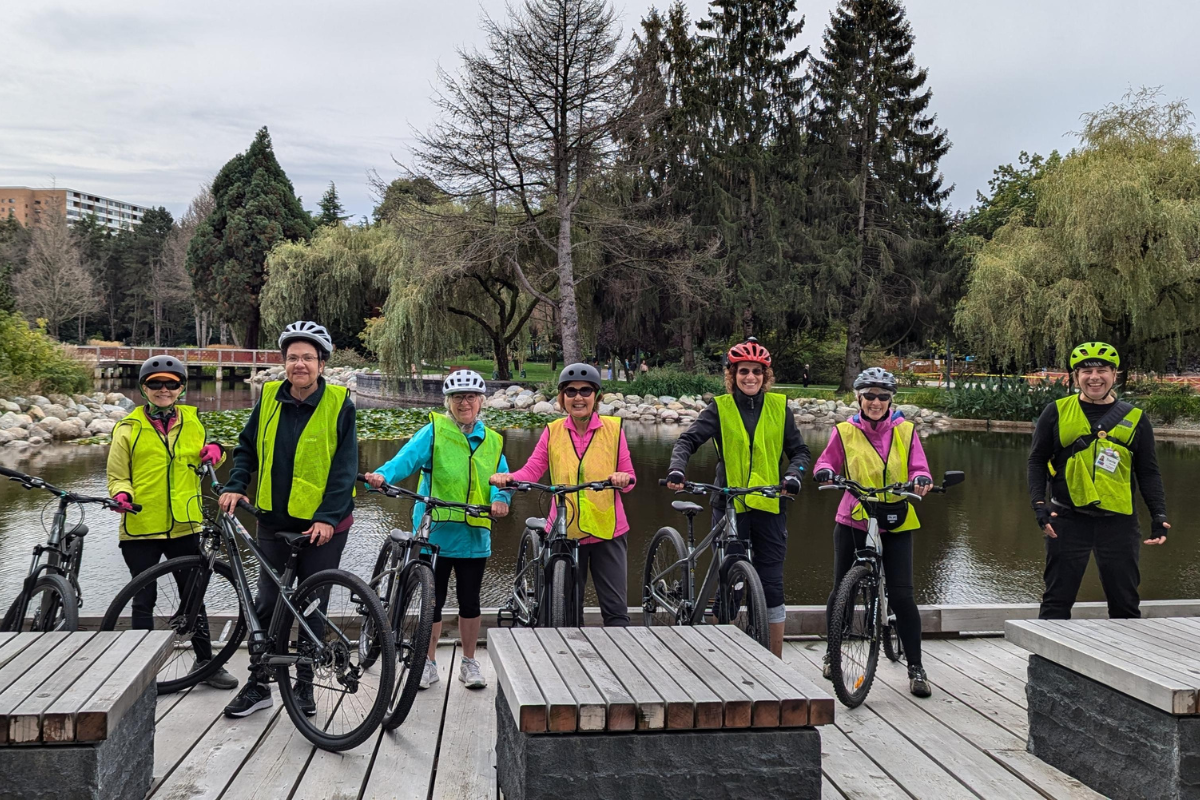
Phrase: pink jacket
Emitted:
{"points": [[539, 463], [880, 437]]}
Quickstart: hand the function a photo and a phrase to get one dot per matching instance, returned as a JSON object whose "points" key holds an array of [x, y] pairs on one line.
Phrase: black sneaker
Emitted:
{"points": [[302, 691], [253, 697], [918, 682]]}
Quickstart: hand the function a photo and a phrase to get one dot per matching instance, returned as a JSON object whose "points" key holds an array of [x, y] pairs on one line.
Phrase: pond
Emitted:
{"points": [[977, 544]]}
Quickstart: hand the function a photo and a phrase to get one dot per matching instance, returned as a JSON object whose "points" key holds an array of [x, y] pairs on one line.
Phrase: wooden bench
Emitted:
{"points": [[666, 713], [1116, 703], [77, 713]]}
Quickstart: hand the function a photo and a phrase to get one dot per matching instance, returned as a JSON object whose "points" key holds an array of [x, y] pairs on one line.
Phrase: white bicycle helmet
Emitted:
{"points": [[875, 377], [308, 332], [463, 380]]}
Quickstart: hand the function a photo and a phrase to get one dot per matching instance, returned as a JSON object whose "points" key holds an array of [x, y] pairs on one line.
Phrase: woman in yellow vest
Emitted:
{"points": [[754, 433], [581, 448], [150, 462], [877, 447], [457, 455]]}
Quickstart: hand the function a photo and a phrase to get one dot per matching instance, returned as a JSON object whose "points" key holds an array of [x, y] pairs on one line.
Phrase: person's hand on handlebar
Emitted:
{"points": [[501, 479], [921, 485], [124, 503], [228, 501], [318, 533], [675, 480], [791, 485], [620, 480], [374, 480], [823, 476], [499, 509]]}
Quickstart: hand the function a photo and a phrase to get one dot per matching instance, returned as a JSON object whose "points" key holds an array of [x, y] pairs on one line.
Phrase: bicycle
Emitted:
{"points": [[669, 573], [328, 608], [544, 587], [403, 580], [52, 587], [862, 618]]}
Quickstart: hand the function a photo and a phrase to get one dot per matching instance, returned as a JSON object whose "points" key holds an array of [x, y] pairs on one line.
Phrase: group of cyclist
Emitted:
{"points": [[299, 451]]}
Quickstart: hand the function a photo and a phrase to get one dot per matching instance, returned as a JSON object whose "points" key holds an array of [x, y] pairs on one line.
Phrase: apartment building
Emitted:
{"points": [[25, 204]]}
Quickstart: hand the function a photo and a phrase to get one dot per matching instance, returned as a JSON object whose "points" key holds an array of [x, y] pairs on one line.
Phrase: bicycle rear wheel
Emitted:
{"points": [[560, 590], [412, 620], [350, 698], [744, 604], [527, 585], [50, 607], [854, 633], [664, 579]]}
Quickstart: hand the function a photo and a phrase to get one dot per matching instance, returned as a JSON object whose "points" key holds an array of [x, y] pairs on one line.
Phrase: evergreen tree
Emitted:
{"points": [[331, 208], [141, 274], [14, 245], [256, 208], [876, 199]]}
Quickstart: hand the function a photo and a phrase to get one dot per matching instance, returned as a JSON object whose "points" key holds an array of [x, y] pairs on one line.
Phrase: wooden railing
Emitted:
{"points": [[194, 356]]}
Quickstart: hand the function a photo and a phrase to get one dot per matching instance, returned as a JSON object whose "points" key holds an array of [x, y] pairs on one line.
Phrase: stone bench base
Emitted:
{"points": [[119, 768], [664, 765], [1119, 746]]}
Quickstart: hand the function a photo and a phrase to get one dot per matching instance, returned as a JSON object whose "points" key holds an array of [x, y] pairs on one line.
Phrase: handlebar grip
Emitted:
{"points": [[12, 473], [245, 506], [136, 507], [362, 477], [662, 481]]}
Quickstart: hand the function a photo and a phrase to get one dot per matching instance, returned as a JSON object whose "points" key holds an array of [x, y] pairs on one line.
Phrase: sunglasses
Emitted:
{"points": [[586, 391], [877, 398], [154, 384], [749, 371]]}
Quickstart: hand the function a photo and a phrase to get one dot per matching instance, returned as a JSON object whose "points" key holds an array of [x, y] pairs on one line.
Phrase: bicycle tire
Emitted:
{"points": [[175, 674], [383, 586], [754, 622], [893, 648], [53, 604], [348, 721], [528, 584], [560, 604], [412, 620], [855, 622], [667, 543]]}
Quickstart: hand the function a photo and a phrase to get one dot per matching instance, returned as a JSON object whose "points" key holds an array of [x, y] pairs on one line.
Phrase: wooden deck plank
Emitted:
{"points": [[1054, 783], [829, 791], [709, 708], [29, 649], [852, 771], [403, 766], [274, 767], [37, 674], [764, 703], [25, 720], [793, 702], [650, 708], [562, 711], [340, 776], [469, 734], [516, 680], [679, 708], [1162, 634], [620, 709], [997, 653], [101, 713], [737, 706], [205, 771], [1164, 661], [979, 669], [58, 719], [819, 701], [592, 709]]}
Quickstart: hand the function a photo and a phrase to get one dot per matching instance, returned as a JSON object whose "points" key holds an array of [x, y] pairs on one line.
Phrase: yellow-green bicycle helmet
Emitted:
{"points": [[1095, 352]]}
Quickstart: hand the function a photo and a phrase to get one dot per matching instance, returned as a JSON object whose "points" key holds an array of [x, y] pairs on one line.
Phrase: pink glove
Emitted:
{"points": [[210, 453], [124, 502]]}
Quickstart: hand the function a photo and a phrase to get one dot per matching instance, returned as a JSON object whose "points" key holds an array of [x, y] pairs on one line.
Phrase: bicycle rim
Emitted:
{"points": [[527, 583], [412, 619], [745, 602], [854, 633], [383, 584], [664, 579]]}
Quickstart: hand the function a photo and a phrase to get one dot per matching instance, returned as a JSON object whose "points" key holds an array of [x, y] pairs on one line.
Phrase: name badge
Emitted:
{"points": [[1108, 460]]}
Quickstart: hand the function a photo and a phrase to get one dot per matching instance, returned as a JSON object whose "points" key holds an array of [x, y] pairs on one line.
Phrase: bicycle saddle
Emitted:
{"points": [[294, 539], [684, 507], [539, 524], [398, 535]]}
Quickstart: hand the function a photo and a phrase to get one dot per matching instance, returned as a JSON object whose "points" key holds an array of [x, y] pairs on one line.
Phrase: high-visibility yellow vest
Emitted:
{"points": [[864, 465], [1099, 470], [752, 463], [314, 452], [163, 481], [589, 513], [460, 474]]}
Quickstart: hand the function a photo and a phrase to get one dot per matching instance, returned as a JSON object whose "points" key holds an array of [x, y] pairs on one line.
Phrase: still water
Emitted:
{"points": [[977, 544]]}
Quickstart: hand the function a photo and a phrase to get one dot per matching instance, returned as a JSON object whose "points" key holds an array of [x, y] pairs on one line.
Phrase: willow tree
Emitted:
{"points": [[1113, 252]]}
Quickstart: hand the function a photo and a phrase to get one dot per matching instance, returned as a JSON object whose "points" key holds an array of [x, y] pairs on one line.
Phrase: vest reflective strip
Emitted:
{"points": [[588, 513], [459, 474], [314, 450], [758, 468], [864, 465], [159, 473], [1087, 484]]}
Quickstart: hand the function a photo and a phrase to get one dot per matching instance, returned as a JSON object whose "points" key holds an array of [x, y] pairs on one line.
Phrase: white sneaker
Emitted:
{"points": [[470, 674], [429, 676]]}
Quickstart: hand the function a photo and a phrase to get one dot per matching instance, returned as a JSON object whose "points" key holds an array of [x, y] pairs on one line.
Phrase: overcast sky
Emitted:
{"points": [[142, 101]]}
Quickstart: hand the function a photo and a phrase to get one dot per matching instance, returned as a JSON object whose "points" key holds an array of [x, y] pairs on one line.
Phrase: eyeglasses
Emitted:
{"points": [[465, 398], [756, 371], [154, 384], [586, 391], [307, 359], [877, 398]]}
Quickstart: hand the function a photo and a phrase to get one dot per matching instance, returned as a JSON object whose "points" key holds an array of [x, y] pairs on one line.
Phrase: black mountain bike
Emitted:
{"points": [[51, 590], [403, 579], [669, 595], [311, 638], [862, 618], [544, 592]]}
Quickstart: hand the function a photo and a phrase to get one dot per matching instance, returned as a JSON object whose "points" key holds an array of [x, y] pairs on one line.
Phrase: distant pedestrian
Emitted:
{"points": [[804, 377], [644, 368]]}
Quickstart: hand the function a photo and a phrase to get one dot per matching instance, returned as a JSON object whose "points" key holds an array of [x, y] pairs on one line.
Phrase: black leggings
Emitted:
{"points": [[897, 571], [142, 554], [468, 581]]}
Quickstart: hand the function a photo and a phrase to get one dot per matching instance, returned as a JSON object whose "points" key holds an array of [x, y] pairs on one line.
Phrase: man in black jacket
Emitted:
{"points": [[1091, 450]]}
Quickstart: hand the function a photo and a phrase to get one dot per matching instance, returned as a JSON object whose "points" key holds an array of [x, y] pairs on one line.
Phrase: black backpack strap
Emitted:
{"points": [[1113, 417], [1106, 423]]}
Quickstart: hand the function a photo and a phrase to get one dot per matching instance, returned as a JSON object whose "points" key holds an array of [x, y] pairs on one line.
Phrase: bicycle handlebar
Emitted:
{"points": [[526, 486], [33, 482], [691, 487], [869, 494], [217, 487], [430, 502]]}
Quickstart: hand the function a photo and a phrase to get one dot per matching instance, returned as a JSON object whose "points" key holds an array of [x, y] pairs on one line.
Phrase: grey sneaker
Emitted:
{"points": [[221, 679], [470, 674], [429, 676], [826, 668], [918, 682]]}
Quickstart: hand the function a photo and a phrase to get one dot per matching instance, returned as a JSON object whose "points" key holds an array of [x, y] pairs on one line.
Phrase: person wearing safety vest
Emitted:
{"points": [[152, 462], [877, 447], [1089, 450], [753, 432], [299, 450], [581, 448], [457, 456]]}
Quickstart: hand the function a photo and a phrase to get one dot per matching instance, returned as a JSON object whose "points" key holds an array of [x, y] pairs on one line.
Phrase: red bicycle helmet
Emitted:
{"points": [[749, 350]]}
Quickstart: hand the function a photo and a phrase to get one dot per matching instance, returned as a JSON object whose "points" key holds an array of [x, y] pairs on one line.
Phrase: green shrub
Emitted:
{"points": [[1146, 387], [925, 398], [672, 382], [819, 394], [1001, 398], [909, 379], [30, 361], [1171, 406]]}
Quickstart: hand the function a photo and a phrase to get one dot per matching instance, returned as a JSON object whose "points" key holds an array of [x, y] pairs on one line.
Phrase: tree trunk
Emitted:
{"points": [[500, 352], [252, 325], [747, 322], [158, 322], [854, 348], [568, 312], [687, 343], [223, 334]]}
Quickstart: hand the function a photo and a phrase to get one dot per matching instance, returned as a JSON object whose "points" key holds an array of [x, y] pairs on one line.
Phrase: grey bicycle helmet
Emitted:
{"points": [[159, 364], [308, 332], [579, 372], [876, 377], [462, 381]]}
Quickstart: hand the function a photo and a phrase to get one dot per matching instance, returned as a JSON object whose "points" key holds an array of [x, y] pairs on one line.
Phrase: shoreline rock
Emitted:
{"points": [[29, 423]]}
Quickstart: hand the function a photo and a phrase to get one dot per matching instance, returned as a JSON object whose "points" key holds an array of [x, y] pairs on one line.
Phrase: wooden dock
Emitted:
{"points": [[968, 740]]}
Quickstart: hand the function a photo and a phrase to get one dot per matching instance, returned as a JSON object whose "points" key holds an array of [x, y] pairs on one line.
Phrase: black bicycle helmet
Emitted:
{"points": [[155, 365], [579, 372]]}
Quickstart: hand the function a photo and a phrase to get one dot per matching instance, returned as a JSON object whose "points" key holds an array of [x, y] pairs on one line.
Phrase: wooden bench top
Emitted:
{"points": [[568, 680], [58, 688], [1156, 661]]}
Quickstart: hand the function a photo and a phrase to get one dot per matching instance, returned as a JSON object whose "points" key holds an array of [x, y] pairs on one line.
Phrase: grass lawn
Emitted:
{"points": [[535, 372]]}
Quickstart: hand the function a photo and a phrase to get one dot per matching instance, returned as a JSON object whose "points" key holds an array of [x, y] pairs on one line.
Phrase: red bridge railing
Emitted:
{"points": [[194, 356]]}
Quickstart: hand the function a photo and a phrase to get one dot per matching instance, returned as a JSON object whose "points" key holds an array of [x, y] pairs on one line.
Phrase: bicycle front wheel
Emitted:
{"points": [[412, 619], [893, 648], [349, 697], [664, 578], [183, 596], [559, 590], [382, 583], [527, 585], [854, 633], [51, 607], [744, 603]]}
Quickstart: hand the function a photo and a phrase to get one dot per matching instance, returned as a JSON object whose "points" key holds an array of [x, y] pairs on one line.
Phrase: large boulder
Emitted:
{"points": [[806, 419], [71, 429], [499, 404], [38, 400], [36, 413], [606, 409], [707, 397], [57, 410], [85, 416], [17, 434], [544, 407], [666, 399], [8, 406], [611, 397], [524, 401], [910, 411], [59, 399], [513, 390], [118, 415], [10, 419], [101, 427], [126, 403], [5, 438], [633, 399], [113, 398]]}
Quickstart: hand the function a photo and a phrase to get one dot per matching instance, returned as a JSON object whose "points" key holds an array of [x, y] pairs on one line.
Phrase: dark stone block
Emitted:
{"points": [[664, 765], [119, 768]]}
